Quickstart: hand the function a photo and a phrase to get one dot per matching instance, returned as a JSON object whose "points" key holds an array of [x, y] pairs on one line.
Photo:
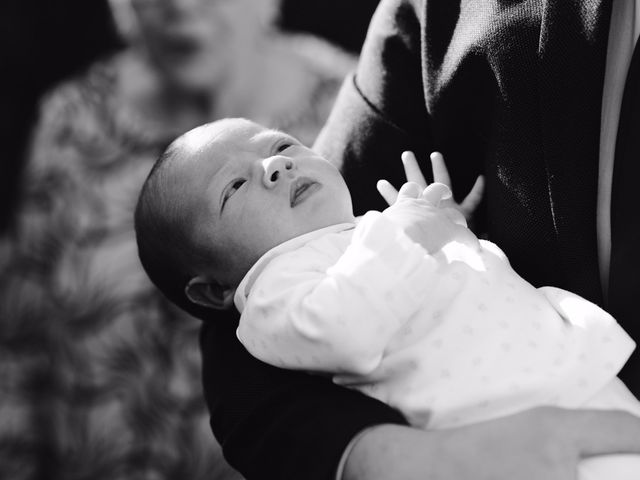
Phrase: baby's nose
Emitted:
{"points": [[274, 168]]}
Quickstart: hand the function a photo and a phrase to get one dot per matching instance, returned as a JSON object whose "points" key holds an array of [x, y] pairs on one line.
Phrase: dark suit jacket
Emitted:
{"points": [[508, 88]]}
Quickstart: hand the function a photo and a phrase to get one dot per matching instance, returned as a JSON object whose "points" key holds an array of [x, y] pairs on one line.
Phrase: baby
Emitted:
{"points": [[405, 305]]}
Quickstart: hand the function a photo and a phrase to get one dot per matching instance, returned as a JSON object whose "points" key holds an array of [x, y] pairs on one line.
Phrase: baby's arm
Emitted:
{"points": [[304, 313]]}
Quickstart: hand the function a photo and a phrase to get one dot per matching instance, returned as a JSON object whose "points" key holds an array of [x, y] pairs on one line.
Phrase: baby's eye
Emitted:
{"points": [[234, 187], [231, 189], [283, 146]]}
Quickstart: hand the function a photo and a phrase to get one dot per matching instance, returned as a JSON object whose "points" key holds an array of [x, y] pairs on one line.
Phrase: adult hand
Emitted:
{"points": [[440, 175], [544, 443]]}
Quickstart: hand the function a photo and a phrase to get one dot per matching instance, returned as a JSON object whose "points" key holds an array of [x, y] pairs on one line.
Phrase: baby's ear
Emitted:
{"points": [[209, 293]]}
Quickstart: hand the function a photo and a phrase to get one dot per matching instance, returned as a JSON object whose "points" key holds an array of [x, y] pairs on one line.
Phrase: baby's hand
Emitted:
{"points": [[439, 195], [440, 175], [420, 214]]}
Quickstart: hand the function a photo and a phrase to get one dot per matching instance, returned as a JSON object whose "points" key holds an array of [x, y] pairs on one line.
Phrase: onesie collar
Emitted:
{"points": [[243, 289]]}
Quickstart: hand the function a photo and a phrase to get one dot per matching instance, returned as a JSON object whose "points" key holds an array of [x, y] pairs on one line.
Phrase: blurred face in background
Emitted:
{"points": [[194, 44]]}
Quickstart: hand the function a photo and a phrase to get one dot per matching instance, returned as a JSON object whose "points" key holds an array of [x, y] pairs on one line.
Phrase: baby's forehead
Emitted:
{"points": [[201, 153], [218, 135], [208, 150]]}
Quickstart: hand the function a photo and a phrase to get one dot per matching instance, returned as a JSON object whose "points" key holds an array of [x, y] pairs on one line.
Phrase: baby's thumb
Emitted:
{"points": [[435, 193], [409, 190]]}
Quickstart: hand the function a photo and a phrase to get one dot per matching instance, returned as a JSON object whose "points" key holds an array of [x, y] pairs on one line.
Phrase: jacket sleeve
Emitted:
{"points": [[337, 314], [279, 424]]}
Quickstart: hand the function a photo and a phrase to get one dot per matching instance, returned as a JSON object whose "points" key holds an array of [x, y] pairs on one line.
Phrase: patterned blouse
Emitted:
{"points": [[100, 375]]}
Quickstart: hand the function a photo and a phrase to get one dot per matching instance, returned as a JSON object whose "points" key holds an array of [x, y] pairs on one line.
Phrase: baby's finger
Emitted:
{"points": [[409, 190], [412, 170], [473, 199], [439, 169], [388, 192], [435, 193]]}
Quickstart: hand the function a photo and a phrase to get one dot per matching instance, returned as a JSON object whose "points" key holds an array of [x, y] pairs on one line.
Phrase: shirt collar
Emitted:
{"points": [[243, 289]]}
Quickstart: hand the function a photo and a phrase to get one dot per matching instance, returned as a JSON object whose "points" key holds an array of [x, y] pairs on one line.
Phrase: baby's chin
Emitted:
{"points": [[324, 214]]}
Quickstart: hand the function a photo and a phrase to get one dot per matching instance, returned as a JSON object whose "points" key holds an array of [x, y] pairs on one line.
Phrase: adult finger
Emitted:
{"points": [[388, 191], [412, 169]]}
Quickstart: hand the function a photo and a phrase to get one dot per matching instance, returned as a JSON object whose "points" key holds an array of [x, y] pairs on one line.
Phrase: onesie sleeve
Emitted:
{"points": [[303, 313]]}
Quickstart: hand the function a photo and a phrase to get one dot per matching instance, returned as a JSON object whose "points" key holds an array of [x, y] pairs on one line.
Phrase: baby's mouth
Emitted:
{"points": [[301, 189]]}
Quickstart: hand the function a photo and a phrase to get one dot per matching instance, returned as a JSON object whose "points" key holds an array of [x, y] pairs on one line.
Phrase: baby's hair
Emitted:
{"points": [[165, 232]]}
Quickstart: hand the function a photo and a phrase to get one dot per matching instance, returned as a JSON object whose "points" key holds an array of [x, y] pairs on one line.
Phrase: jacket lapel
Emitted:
{"points": [[572, 50]]}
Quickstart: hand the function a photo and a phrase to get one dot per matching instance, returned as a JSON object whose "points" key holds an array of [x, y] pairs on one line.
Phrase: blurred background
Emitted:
{"points": [[45, 41], [99, 376]]}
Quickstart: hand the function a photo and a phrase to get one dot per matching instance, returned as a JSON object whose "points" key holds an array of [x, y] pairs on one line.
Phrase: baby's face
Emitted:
{"points": [[259, 188]]}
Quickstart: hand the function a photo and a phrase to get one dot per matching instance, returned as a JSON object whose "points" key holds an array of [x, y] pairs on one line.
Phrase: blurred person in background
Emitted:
{"points": [[101, 376]]}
